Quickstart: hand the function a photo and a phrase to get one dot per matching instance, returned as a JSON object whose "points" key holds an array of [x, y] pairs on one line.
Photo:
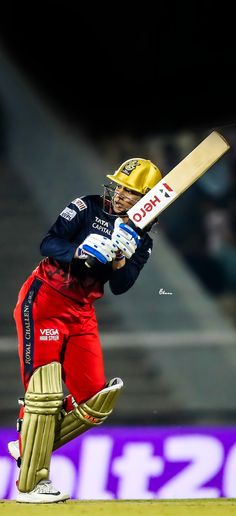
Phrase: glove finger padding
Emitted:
{"points": [[99, 246], [125, 238], [127, 247]]}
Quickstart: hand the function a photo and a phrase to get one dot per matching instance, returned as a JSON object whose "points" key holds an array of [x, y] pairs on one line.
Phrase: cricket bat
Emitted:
{"points": [[174, 184], [179, 179]]}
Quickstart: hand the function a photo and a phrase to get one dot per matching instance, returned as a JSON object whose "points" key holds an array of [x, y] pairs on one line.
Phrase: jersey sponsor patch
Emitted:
{"points": [[49, 334], [80, 204], [68, 214]]}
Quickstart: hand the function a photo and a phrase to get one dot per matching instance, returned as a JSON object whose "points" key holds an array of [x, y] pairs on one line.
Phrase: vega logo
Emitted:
{"points": [[49, 334]]}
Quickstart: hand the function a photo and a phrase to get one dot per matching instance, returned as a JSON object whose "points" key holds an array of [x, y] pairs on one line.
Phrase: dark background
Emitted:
{"points": [[123, 67], [106, 70]]}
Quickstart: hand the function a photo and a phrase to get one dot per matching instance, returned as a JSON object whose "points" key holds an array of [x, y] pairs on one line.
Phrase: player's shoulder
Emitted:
{"points": [[85, 201]]}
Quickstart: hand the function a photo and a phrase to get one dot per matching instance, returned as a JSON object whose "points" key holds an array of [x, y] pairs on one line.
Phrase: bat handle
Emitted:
{"points": [[90, 261], [131, 224]]}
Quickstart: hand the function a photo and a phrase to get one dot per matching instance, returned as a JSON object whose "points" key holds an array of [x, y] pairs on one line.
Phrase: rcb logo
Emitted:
{"points": [[131, 165]]}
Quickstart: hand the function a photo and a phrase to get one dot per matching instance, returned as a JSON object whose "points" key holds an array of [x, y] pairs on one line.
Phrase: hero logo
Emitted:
{"points": [[164, 197], [49, 334]]}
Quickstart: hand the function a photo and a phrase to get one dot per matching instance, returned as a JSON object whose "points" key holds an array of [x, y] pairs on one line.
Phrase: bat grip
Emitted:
{"points": [[131, 224], [90, 261]]}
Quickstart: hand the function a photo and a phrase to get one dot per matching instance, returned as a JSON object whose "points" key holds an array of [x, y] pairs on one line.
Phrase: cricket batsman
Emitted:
{"points": [[57, 328]]}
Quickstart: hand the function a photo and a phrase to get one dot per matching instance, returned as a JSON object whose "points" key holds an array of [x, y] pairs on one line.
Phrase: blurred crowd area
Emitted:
{"points": [[201, 225]]}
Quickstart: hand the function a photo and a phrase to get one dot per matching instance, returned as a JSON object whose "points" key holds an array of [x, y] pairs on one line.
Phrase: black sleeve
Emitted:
{"points": [[59, 241], [122, 279]]}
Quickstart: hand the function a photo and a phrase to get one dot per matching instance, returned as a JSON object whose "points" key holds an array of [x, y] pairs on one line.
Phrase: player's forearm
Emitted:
{"points": [[57, 248], [123, 278]]}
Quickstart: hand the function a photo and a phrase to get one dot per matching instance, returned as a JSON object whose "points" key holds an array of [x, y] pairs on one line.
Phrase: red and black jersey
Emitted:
{"points": [[70, 276]]}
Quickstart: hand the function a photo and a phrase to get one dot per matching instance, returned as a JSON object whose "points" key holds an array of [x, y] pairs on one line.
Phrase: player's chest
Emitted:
{"points": [[100, 224], [96, 223]]}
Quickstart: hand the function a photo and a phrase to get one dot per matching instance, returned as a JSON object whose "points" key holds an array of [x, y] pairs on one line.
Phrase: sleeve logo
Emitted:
{"points": [[80, 204], [68, 214]]}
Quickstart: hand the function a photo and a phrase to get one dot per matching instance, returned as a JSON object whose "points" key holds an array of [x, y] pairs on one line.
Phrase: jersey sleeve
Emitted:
{"points": [[123, 279], [59, 243]]}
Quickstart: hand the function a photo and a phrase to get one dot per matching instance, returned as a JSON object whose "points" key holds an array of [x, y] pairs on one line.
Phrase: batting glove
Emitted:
{"points": [[98, 246], [125, 238]]}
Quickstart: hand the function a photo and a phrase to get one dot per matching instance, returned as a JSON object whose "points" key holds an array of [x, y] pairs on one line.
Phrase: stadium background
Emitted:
{"points": [[78, 95]]}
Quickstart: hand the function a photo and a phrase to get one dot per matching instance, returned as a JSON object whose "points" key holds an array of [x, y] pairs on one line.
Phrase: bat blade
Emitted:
{"points": [[179, 179]]}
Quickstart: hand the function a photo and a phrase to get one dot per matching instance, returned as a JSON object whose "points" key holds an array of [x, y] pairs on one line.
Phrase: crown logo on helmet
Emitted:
{"points": [[129, 166], [137, 174]]}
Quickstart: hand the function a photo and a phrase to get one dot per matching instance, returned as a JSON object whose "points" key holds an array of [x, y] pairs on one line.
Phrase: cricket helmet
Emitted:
{"points": [[137, 174]]}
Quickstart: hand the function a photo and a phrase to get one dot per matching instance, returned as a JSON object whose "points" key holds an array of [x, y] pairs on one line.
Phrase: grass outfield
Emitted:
{"points": [[212, 507]]}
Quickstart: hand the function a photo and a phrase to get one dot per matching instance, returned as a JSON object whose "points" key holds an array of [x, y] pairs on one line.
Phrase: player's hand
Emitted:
{"points": [[98, 246], [125, 238]]}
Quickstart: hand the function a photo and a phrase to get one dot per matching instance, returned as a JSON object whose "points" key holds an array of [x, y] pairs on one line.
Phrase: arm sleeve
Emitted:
{"points": [[123, 279], [58, 243]]}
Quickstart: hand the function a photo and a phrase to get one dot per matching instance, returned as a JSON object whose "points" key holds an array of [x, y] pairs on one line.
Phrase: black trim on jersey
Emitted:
{"points": [[28, 327]]}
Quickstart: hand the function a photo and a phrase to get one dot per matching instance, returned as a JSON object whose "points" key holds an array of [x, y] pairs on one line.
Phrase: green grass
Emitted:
{"points": [[206, 507]]}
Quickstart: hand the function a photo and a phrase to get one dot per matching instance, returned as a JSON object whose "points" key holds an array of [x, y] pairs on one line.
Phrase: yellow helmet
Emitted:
{"points": [[137, 174]]}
